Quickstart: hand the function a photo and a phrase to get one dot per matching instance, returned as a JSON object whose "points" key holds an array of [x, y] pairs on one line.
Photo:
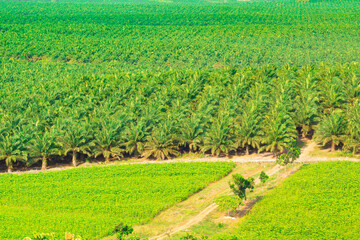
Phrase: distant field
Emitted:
{"points": [[92, 201], [321, 201], [150, 35]]}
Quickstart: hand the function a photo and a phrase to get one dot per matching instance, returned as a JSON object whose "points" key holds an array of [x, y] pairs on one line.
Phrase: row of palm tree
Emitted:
{"points": [[160, 115]]}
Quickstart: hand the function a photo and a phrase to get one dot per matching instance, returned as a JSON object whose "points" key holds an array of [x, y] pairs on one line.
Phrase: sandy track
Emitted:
{"points": [[236, 159], [204, 213], [195, 220]]}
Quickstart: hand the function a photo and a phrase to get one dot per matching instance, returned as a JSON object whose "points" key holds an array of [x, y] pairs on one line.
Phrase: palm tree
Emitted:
{"points": [[161, 145], [306, 112], [191, 130], [352, 87], [135, 138], [352, 137], [11, 150], [331, 129], [42, 146], [74, 139], [332, 94], [279, 131], [248, 130], [107, 141], [219, 139]]}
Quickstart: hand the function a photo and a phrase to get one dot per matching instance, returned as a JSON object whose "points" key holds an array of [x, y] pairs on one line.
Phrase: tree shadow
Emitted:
{"points": [[249, 204]]}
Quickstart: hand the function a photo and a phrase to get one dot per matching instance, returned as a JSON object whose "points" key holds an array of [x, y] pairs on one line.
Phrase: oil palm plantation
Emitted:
{"points": [[279, 130], [135, 136], [331, 129], [352, 137], [42, 147], [107, 142], [11, 150], [75, 138], [248, 129], [219, 139], [191, 130], [162, 144], [306, 112]]}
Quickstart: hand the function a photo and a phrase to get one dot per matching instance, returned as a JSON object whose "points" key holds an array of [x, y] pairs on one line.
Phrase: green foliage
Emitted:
{"points": [[52, 236], [219, 139], [108, 81], [123, 230], [11, 150], [236, 34], [240, 185], [311, 204], [331, 129], [263, 177], [228, 203], [42, 236], [293, 153], [91, 201], [189, 236]]}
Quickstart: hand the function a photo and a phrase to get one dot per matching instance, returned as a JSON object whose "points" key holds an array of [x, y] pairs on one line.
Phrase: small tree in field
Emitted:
{"points": [[240, 185], [228, 203], [263, 177], [290, 156], [122, 230]]}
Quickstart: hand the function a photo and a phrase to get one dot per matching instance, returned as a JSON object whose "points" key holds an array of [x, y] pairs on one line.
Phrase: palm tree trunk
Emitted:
{"points": [[9, 165], [107, 160], [44, 163], [74, 161], [303, 135], [332, 146], [247, 149]]}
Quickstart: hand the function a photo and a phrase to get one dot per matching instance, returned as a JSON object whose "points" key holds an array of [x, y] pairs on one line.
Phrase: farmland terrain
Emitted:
{"points": [[203, 87], [92, 201]]}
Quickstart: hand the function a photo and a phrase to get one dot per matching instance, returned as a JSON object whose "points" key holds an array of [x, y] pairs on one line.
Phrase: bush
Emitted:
{"points": [[263, 177]]}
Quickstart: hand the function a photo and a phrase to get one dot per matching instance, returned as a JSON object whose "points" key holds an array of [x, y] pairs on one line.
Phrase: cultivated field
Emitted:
{"points": [[321, 201], [95, 81], [91, 201]]}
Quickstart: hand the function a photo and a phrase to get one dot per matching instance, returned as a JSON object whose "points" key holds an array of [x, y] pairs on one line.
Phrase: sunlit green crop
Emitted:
{"points": [[91, 201], [321, 201]]}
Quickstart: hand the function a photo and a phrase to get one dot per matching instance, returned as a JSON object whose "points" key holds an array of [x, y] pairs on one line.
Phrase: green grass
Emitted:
{"points": [[92, 201], [321, 201]]}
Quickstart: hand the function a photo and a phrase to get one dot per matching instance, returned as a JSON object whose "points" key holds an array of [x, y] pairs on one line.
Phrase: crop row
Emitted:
{"points": [[143, 37], [160, 115], [91, 201]]}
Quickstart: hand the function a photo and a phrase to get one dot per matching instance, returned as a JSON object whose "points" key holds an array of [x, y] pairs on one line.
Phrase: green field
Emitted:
{"points": [[91, 201], [321, 201], [148, 35], [103, 80]]}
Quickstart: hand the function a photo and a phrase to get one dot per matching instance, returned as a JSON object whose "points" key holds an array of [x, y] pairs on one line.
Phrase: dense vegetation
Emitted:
{"points": [[91, 201], [168, 36], [321, 201], [163, 114], [74, 84]]}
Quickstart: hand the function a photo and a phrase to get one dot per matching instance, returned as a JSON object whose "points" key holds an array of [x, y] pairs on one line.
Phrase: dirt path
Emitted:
{"points": [[305, 152], [195, 220], [305, 156], [209, 209], [255, 158]]}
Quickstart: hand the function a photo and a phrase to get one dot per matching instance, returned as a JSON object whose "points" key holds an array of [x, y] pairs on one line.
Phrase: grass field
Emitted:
{"points": [[321, 201], [92, 201]]}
